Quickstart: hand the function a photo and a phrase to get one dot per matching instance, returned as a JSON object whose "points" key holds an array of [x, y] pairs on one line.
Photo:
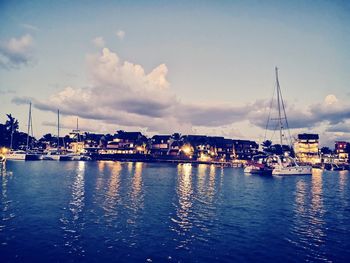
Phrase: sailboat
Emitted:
{"points": [[57, 154], [27, 154], [284, 164]]}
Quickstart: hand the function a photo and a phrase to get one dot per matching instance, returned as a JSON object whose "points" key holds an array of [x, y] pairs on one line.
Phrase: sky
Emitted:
{"points": [[194, 67]]}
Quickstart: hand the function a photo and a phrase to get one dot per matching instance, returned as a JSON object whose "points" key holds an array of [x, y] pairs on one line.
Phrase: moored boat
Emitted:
{"points": [[258, 165], [22, 155], [55, 155], [286, 165]]}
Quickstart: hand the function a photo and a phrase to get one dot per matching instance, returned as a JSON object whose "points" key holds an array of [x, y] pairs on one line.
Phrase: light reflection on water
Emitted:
{"points": [[135, 202], [211, 185], [72, 221], [195, 206], [113, 198], [309, 224], [343, 178], [136, 194], [183, 209], [7, 214]]}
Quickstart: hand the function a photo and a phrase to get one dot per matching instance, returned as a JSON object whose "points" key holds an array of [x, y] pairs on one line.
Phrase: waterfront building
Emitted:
{"points": [[244, 149], [307, 148], [126, 143], [160, 145], [76, 147], [175, 147], [221, 148], [199, 145], [94, 140], [341, 151]]}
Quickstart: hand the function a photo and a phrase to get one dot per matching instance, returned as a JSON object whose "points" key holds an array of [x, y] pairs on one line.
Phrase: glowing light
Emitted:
{"points": [[4, 150], [139, 148], [205, 158], [187, 149]]}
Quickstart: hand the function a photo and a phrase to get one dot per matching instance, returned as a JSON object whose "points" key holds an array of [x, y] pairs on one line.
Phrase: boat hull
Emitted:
{"points": [[50, 157], [257, 170], [299, 170], [16, 156], [33, 157], [23, 156], [57, 157]]}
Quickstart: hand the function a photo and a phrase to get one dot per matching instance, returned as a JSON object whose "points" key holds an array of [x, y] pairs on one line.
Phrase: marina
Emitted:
{"points": [[174, 131], [143, 212]]}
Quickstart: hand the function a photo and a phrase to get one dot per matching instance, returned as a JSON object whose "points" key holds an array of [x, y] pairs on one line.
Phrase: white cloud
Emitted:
{"points": [[16, 52], [123, 94], [99, 42], [30, 27], [330, 99], [120, 34]]}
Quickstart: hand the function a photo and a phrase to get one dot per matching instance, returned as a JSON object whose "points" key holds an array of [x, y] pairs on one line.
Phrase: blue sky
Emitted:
{"points": [[212, 63]]}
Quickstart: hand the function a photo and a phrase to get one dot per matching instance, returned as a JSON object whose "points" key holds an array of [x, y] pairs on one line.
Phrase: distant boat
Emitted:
{"points": [[334, 167], [258, 165], [286, 165], [57, 154], [27, 154], [22, 155], [281, 164]]}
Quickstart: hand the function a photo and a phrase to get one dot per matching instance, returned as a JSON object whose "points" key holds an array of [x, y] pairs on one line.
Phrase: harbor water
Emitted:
{"points": [[156, 212]]}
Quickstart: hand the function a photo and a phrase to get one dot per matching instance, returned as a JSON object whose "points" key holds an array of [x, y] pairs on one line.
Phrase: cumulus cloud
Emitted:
{"points": [[343, 127], [99, 42], [330, 99], [16, 52], [330, 111], [120, 34], [123, 94]]}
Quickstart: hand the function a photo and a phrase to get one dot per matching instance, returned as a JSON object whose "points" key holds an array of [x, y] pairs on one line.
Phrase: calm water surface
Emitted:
{"points": [[148, 212]]}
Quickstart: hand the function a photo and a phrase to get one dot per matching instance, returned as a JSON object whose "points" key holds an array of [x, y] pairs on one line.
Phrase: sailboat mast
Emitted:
{"points": [[78, 133], [11, 145], [58, 129], [279, 105], [29, 123]]}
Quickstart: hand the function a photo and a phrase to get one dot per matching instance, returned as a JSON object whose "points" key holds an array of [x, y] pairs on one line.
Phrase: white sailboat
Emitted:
{"points": [[283, 164], [57, 154], [27, 154]]}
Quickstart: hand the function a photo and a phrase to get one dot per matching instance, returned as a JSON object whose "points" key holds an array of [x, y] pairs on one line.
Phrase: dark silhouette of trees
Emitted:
{"points": [[10, 128], [267, 146], [278, 149], [11, 124], [326, 150]]}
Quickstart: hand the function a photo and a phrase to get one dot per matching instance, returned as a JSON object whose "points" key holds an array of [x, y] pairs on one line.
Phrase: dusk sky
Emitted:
{"points": [[195, 67]]}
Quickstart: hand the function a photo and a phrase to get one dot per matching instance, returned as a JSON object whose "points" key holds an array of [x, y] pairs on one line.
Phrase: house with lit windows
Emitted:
{"points": [[341, 151], [306, 148]]}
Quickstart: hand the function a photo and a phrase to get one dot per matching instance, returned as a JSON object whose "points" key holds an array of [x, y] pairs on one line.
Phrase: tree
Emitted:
{"points": [[11, 124], [3, 135], [8, 130], [176, 136], [326, 150], [267, 146], [47, 137], [277, 149]]}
